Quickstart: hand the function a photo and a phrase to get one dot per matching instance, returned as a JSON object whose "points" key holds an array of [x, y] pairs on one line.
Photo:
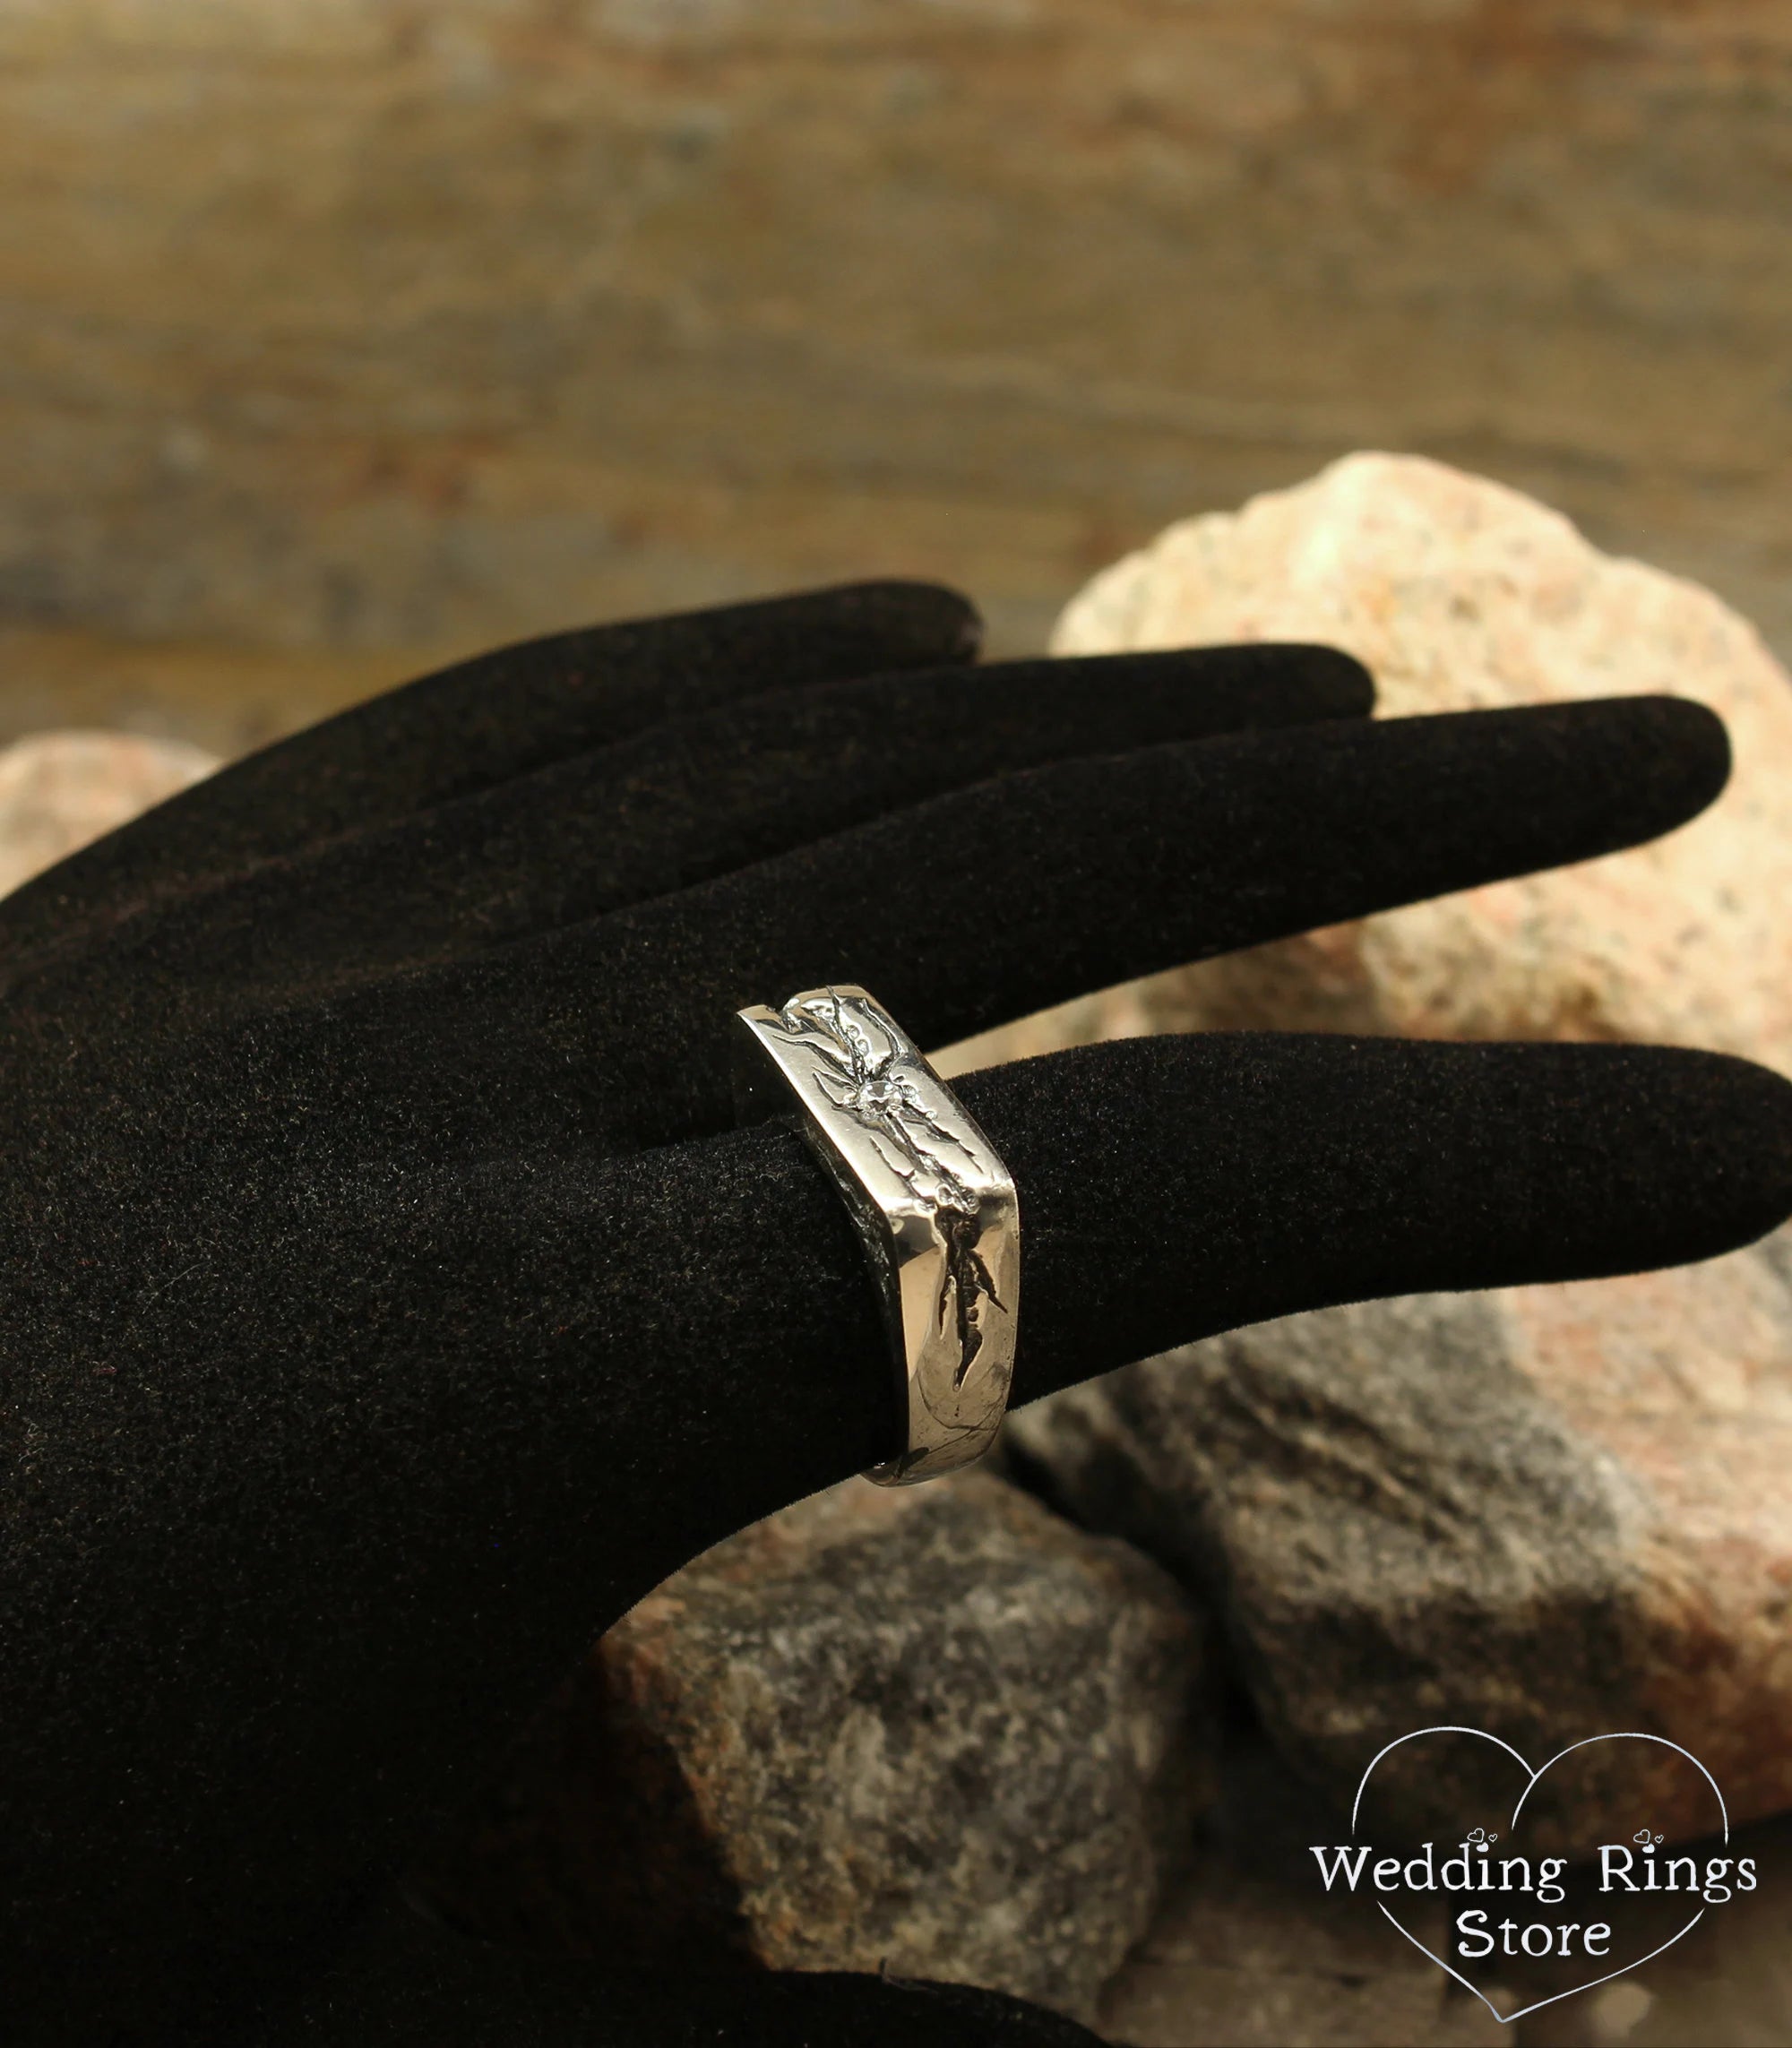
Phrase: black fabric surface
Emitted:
{"points": [[400, 1984], [389, 1305]]}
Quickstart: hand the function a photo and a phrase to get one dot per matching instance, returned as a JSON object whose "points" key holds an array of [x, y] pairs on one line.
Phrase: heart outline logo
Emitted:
{"points": [[1532, 1777]]}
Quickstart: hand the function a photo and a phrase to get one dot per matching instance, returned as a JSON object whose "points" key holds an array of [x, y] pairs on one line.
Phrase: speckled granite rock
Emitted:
{"points": [[59, 790], [1460, 594], [1549, 1513], [938, 1730]]}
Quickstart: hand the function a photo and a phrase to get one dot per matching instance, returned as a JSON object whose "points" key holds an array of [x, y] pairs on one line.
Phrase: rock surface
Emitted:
{"points": [[1549, 1513], [1460, 594], [938, 1730], [59, 790]]}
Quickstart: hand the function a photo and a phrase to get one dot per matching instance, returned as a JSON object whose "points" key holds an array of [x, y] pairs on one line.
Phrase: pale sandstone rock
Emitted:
{"points": [[1460, 594], [939, 1731], [59, 790]]}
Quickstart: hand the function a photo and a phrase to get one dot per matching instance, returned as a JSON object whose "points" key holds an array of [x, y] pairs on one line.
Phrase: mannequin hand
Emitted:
{"points": [[390, 1303]]}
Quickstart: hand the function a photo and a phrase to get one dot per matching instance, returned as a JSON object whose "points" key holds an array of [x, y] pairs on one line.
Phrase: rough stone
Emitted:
{"points": [[1461, 594], [938, 1730], [60, 789], [1549, 1513]]}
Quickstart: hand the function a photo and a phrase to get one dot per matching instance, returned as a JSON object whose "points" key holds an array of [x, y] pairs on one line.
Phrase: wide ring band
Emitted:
{"points": [[936, 1208]]}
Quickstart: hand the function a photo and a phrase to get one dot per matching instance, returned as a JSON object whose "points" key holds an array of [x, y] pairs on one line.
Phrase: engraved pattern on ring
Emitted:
{"points": [[936, 1208]]}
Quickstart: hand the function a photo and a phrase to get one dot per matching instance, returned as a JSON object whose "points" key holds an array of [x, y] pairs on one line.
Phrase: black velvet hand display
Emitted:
{"points": [[389, 1303]]}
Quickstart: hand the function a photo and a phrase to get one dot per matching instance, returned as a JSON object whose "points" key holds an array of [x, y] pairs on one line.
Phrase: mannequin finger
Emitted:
{"points": [[1171, 1188], [975, 910], [695, 798], [500, 715], [698, 798], [978, 908], [1286, 1173]]}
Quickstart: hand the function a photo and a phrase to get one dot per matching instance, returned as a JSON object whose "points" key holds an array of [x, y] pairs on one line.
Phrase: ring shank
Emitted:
{"points": [[936, 1208]]}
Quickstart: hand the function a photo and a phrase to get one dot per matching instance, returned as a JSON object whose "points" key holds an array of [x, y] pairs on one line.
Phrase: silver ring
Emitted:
{"points": [[936, 1208]]}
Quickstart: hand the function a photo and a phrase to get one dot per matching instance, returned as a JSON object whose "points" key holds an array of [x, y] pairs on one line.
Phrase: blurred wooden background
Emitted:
{"points": [[336, 335]]}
